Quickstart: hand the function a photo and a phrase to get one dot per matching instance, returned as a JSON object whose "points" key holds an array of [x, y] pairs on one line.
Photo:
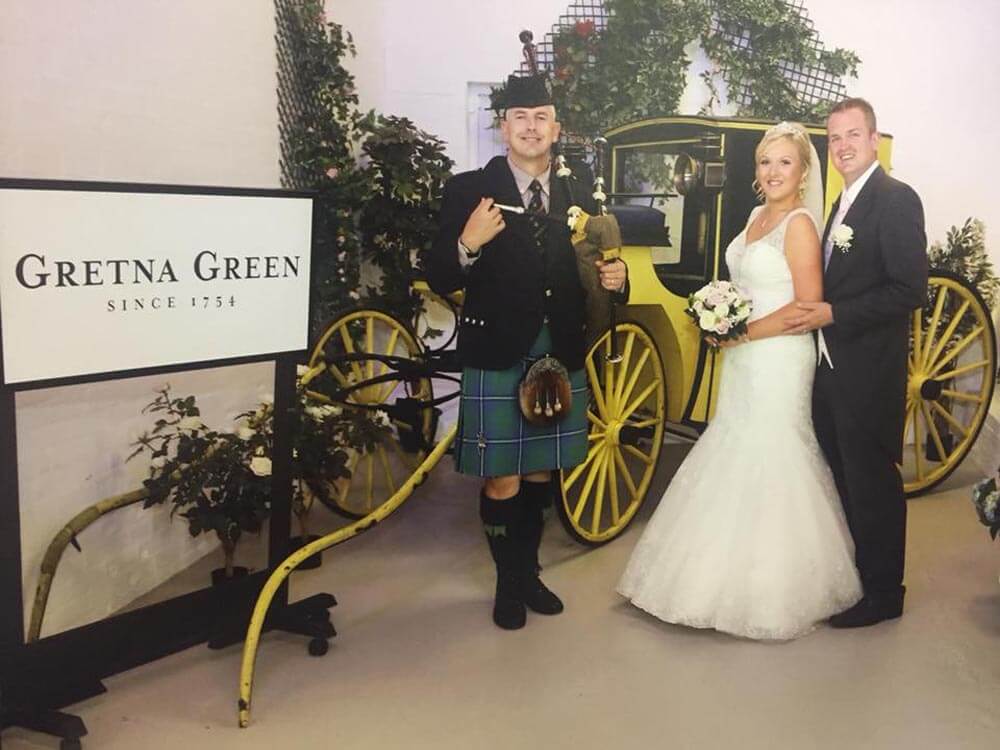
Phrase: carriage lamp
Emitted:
{"points": [[691, 173]]}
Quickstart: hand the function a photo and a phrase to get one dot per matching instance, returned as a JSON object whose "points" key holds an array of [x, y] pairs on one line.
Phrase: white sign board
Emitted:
{"points": [[95, 282]]}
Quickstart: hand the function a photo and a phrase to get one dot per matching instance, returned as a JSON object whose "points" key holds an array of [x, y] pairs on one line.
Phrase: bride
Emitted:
{"points": [[750, 537]]}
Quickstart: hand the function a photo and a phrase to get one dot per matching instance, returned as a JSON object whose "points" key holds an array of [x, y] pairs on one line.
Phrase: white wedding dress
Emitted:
{"points": [[750, 536]]}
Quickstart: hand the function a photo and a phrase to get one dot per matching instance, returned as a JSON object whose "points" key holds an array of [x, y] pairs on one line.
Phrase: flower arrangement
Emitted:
{"points": [[720, 310], [220, 480], [986, 499]]}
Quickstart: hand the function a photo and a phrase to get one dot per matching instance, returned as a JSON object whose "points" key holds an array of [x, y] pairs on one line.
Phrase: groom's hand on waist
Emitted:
{"points": [[809, 317]]}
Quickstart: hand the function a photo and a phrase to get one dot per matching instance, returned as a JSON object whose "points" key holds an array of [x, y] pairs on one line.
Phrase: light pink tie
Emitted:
{"points": [[845, 206]]}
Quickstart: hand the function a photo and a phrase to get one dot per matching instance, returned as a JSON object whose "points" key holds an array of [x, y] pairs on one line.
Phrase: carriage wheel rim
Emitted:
{"points": [[591, 498], [389, 465], [937, 409]]}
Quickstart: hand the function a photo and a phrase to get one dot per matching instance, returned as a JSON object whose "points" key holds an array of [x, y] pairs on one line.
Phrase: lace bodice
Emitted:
{"points": [[760, 268]]}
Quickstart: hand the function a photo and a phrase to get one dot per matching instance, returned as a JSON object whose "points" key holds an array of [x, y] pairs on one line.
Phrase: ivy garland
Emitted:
{"points": [[636, 67]]}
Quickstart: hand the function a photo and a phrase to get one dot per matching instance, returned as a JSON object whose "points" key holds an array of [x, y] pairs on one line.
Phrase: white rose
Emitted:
{"points": [[301, 370], [245, 433], [698, 306], [707, 321], [331, 411], [261, 466], [842, 236], [190, 423], [722, 310], [722, 327]]}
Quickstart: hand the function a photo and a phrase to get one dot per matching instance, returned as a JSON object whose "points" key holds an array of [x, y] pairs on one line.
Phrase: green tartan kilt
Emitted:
{"points": [[495, 440]]}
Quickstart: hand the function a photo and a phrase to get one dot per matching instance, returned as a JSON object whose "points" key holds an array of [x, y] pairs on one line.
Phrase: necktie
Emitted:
{"points": [[838, 219], [536, 212]]}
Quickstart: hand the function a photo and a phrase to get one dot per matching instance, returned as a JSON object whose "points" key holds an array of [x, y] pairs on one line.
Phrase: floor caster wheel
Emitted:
{"points": [[318, 646]]}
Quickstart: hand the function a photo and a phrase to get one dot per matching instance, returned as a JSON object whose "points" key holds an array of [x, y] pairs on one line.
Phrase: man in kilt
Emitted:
{"points": [[523, 300]]}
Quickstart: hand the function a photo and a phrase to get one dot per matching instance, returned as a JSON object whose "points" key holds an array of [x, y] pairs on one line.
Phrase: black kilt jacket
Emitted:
{"points": [[873, 288], [513, 285]]}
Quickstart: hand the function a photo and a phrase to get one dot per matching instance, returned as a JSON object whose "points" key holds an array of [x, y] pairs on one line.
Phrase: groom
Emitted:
{"points": [[875, 260]]}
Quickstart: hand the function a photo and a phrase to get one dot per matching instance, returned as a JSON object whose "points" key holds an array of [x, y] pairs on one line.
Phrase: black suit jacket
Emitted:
{"points": [[873, 287], [513, 285]]}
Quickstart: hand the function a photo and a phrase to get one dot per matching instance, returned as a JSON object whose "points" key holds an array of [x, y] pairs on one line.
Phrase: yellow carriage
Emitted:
{"points": [[681, 189]]}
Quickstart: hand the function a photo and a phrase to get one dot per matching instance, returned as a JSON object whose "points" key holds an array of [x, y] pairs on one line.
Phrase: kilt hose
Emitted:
{"points": [[494, 438]]}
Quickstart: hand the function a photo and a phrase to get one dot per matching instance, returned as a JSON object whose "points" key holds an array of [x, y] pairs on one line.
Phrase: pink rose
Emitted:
{"points": [[722, 327]]}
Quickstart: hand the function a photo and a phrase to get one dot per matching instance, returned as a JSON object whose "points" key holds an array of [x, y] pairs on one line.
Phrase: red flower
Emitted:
{"points": [[584, 29]]}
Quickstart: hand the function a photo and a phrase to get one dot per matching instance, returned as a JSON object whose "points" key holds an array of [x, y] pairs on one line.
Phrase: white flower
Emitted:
{"points": [[261, 466], [600, 196], [301, 370], [722, 327], [381, 418], [354, 295], [721, 311], [190, 423], [329, 410], [698, 306], [707, 321], [245, 433], [842, 237]]}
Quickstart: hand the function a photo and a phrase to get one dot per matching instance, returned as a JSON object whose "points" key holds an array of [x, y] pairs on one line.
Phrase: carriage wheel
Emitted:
{"points": [[952, 370], [375, 476], [602, 494]]}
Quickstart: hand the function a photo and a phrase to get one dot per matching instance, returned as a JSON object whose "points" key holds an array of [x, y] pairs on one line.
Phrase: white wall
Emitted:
{"points": [[928, 67], [169, 91]]}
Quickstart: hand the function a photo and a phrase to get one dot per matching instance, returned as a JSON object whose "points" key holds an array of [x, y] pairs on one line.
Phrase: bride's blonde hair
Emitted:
{"points": [[799, 138]]}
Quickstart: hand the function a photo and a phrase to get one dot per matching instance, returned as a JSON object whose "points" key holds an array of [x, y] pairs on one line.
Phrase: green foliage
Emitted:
{"points": [[408, 168], [220, 480], [378, 179], [964, 254], [636, 67]]}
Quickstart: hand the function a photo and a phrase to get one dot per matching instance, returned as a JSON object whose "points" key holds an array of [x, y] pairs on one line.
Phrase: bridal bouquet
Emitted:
{"points": [[720, 310]]}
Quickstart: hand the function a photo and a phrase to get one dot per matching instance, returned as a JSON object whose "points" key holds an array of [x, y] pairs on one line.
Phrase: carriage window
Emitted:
{"points": [[674, 226]]}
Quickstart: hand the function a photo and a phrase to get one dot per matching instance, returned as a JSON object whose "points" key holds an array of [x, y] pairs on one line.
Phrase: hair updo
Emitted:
{"points": [[799, 138]]}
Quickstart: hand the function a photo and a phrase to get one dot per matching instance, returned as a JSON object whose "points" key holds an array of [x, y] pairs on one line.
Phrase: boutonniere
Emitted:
{"points": [[842, 237]]}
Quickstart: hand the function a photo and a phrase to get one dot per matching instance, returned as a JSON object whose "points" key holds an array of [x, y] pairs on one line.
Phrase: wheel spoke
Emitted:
{"points": [[595, 389], [961, 370], [349, 347], [370, 346], [610, 373], [644, 423], [575, 474], [932, 430], [925, 348], [962, 396], [406, 459], [958, 349], [602, 475], [588, 485], [946, 336], [639, 399], [613, 491], [648, 460], [624, 365], [626, 475], [596, 436], [634, 378], [595, 420], [949, 418]]}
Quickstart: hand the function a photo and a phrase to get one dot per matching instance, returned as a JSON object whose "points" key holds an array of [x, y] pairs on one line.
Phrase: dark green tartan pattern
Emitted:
{"points": [[495, 440]]}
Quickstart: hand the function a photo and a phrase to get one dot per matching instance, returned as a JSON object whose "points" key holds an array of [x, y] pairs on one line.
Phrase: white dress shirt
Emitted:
{"points": [[847, 198]]}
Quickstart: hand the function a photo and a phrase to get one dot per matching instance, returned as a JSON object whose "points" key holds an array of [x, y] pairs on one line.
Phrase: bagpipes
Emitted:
{"points": [[545, 394]]}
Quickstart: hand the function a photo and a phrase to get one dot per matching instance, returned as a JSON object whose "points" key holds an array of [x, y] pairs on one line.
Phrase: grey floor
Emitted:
{"points": [[418, 663]]}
